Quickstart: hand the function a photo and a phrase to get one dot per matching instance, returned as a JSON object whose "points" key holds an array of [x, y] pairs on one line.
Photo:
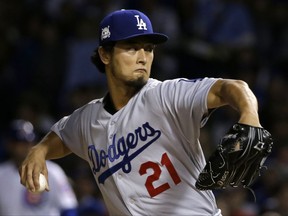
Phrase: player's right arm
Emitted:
{"points": [[50, 147]]}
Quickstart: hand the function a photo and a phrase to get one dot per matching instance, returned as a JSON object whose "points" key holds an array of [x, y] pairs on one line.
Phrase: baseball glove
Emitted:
{"points": [[238, 159]]}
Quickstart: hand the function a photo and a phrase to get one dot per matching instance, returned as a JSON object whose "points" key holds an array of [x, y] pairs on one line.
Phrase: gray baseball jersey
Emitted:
{"points": [[146, 157], [15, 199]]}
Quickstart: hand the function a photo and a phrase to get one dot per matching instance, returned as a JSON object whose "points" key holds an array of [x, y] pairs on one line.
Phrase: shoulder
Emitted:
{"points": [[152, 83], [178, 82], [92, 105]]}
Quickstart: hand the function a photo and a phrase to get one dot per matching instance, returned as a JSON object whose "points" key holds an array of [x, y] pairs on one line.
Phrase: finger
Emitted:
{"points": [[36, 174], [32, 177], [29, 183], [45, 173], [22, 175], [47, 187]]}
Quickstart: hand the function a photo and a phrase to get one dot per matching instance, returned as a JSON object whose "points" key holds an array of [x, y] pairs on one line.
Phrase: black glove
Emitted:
{"points": [[238, 158]]}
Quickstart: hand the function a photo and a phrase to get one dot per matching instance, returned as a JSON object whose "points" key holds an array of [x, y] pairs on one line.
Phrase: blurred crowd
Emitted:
{"points": [[46, 72]]}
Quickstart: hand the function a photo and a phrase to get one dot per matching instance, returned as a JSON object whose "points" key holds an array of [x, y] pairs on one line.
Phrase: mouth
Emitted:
{"points": [[141, 70]]}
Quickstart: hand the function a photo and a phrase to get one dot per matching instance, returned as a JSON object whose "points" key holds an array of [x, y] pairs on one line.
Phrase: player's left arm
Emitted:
{"points": [[238, 95]]}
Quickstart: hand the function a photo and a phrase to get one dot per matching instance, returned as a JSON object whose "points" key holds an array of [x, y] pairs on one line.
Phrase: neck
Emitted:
{"points": [[121, 92], [121, 96]]}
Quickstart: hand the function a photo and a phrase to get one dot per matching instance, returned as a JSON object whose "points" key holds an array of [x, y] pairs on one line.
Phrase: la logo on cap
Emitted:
{"points": [[140, 23]]}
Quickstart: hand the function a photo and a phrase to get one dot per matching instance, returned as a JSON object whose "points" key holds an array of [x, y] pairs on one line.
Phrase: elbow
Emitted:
{"points": [[242, 83], [233, 87], [237, 83], [226, 92], [237, 94]]}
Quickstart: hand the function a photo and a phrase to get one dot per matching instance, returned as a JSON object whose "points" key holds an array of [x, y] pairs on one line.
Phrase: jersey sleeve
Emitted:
{"points": [[197, 94], [71, 129], [186, 101], [68, 130]]}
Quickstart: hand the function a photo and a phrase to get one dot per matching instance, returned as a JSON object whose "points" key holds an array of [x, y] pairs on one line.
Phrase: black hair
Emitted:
{"points": [[96, 60]]}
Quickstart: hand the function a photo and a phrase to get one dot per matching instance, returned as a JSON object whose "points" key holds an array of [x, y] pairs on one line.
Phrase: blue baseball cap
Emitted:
{"points": [[22, 131], [126, 24]]}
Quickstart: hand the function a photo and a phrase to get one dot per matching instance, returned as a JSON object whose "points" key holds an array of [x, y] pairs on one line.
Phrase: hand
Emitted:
{"points": [[30, 169]]}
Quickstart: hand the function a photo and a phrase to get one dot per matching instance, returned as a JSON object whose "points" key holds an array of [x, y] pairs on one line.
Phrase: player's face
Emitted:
{"points": [[131, 62]]}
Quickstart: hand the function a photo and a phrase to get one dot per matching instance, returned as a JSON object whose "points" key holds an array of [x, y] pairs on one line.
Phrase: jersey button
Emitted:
{"points": [[132, 201]]}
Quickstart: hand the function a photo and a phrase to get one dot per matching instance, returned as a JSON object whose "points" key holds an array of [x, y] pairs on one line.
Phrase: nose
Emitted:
{"points": [[141, 57]]}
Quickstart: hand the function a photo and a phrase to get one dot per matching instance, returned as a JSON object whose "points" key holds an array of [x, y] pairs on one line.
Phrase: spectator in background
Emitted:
{"points": [[16, 199], [278, 202], [266, 186], [237, 202], [91, 202], [217, 34]]}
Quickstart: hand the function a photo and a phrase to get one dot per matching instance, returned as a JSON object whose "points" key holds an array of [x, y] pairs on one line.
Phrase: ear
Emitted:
{"points": [[104, 55]]}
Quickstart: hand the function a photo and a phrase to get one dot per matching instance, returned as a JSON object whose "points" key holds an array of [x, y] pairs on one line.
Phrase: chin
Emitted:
{"points": [[138, 82]]}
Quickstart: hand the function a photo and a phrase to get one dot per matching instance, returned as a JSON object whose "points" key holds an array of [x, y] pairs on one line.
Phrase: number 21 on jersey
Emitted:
{"points": [[165, 161]]}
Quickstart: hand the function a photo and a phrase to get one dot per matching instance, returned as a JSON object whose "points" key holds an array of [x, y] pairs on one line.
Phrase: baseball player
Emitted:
{"points": [[16, 199], [141, 139]]}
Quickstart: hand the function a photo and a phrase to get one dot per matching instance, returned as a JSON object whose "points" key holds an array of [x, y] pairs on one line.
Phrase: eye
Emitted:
{"points": [[131, 49], [149, 47]]}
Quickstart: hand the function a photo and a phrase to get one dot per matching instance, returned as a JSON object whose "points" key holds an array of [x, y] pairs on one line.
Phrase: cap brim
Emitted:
{"points": [[156, 38]]}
